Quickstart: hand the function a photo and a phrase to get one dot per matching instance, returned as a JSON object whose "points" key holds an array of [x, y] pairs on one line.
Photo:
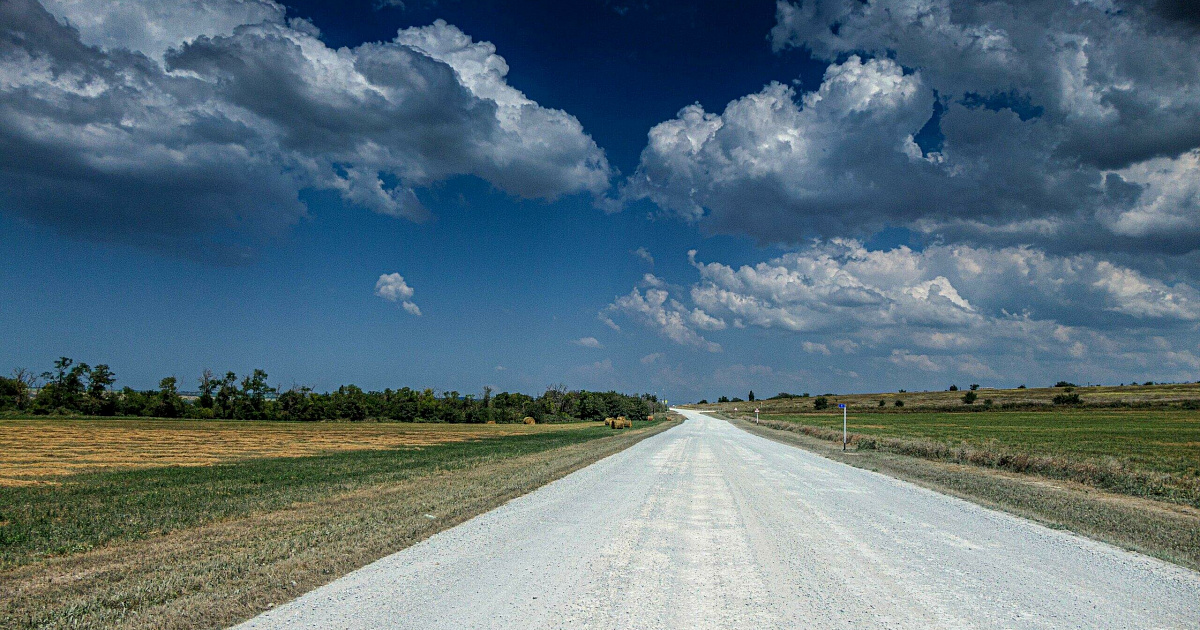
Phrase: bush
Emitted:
{"points": [[820, 402], [899, 403], [866, 444], [703, 401], [954, 388], [1064, 384], [882, 403], [1021, 386], [1067, 399], [969, 398], [987, 402], [974, 386]]}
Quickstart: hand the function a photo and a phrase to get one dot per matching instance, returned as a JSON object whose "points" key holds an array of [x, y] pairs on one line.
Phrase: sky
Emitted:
{"points": [[688, 199]]}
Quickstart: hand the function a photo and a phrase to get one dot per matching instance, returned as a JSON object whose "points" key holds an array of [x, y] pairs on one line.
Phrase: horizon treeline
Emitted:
{"points": [[73, 388]]}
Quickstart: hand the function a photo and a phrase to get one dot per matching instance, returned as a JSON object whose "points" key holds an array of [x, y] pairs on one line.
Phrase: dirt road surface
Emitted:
{"points": [[706, 526]]}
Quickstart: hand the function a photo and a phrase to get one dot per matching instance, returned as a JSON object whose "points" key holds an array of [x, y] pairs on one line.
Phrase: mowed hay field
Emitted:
{"points": [[1149, 453], [43, 450], [213, 532]]}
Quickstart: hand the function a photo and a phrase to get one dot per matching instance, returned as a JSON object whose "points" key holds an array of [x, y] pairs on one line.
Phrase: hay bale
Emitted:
{"points": [[608, 422], [491, 422], [530, 420], [623, 422], [650, 418]]}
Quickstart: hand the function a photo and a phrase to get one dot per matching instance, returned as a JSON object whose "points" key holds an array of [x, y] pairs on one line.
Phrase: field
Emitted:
{"points": [[40, 450], [121, 543], [1032, 397], [1154, 454]]}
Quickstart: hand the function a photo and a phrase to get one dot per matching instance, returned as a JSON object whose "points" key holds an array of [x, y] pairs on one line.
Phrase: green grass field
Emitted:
{"points": [[1154, 453]]}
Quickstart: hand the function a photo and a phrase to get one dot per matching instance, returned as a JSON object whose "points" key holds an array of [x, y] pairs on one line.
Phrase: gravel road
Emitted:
{"points": [[706, 526]]}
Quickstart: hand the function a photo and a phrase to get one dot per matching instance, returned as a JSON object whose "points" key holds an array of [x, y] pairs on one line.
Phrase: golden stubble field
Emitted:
{"points": [[36, 451]]}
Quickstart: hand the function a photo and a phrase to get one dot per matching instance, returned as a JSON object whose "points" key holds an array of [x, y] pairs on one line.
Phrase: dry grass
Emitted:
{"points": [[37, 451], [219, 574]]}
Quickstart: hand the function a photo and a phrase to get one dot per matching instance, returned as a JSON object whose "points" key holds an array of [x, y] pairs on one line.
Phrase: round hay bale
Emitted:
{"points": [[650, 418], [608, 422], [530, 420], [491, 422]]}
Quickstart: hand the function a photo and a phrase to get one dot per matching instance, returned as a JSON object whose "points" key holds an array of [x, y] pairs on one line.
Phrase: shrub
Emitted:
{"points": [[1021, 386], [882, 403], [954, 388], [987, 402], [1064, 384], [866, 444], [974, 386], [735, 399], [899, 403], [1067, 399], [969, 398], [820, 402], [703, 401]]}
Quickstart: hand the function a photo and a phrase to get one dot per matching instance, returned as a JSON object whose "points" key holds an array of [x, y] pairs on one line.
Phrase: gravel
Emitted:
{"points": [[706, 526]]}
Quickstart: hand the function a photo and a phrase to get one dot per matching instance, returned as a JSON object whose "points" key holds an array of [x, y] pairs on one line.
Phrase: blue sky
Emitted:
{"points": [[878, 195]]}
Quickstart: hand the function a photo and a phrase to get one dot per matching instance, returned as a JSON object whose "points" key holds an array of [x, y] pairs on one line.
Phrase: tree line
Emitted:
{"points": [[73, 388]]}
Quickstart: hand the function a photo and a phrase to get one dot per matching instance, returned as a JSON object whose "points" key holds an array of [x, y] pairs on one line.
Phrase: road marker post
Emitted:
{"points": [[756, 415], [843, 406]]}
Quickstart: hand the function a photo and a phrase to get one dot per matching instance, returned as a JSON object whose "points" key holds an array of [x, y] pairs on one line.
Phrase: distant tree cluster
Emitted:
{"points": [[79, 389]]}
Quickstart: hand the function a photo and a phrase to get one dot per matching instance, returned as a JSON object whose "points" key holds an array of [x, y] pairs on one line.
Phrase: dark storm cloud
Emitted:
{"points": [[206, 138]]}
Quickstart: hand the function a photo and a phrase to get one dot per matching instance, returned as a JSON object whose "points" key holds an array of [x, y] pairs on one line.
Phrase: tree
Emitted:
{"points": [[169, 403], [252, 399], [15, 391], [969, 398], [100, 378], [751, 396], [208, 385], [723, 399], [820, 402], [64, 388], [954, 388], [974, 386], [227, 395], [1064, 384]]}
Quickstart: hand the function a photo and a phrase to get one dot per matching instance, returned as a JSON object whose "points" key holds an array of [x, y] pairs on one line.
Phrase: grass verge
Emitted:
{"points": [[1164, 530], [1152, 454], [215, 545]]}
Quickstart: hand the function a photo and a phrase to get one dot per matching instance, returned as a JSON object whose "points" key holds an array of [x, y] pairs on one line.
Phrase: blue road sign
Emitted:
{"points": [[841, 405]]}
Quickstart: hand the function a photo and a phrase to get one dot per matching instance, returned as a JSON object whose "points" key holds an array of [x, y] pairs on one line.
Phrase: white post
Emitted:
{"points": [[756, 415], [844, 438]]}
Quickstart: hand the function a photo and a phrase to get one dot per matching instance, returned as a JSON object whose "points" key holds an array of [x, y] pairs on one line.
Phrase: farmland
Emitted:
{"points": [[36, 451], [1032, 398], [91, 535], [1159, 445]]}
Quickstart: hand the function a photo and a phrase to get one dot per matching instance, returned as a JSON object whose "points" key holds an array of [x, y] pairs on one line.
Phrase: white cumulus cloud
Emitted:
{"points": [[393, 288]]}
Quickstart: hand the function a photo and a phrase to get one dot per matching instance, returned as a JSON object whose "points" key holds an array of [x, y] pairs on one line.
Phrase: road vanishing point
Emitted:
{"points": [[707, 526]]}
